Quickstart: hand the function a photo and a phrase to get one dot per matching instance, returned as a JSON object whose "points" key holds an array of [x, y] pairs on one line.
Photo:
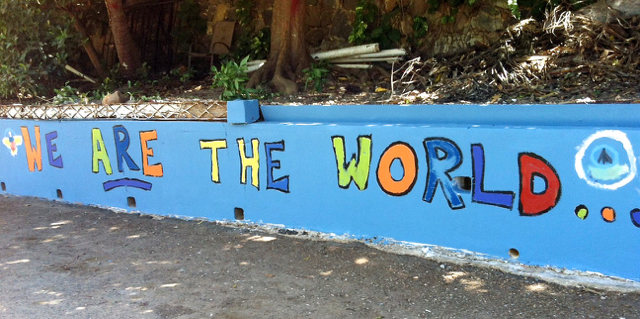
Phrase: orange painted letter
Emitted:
{"points": [[149, 170], [407, 157], [34, 155]]}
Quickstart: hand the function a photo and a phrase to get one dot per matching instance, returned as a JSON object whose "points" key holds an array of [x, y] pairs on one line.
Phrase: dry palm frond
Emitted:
{"points": [[563, 55]]}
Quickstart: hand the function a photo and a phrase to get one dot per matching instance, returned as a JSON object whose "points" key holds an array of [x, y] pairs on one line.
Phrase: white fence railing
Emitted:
{"points": [[206, 110]]}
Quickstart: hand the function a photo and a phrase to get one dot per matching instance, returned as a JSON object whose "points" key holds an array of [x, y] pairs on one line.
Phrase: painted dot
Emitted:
{"points": [[608, 214], [582, 212], [635, 217]]}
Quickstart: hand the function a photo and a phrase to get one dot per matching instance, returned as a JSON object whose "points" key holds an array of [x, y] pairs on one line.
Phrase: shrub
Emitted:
{"points": [[232, 78], [35, 45]]}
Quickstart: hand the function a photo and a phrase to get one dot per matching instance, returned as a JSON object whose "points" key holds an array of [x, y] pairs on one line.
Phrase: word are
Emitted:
{"points": [[122, 142]]}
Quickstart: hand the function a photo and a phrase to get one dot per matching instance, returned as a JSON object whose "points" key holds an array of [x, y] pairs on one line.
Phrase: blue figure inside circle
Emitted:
{"points": [[604, 163]]}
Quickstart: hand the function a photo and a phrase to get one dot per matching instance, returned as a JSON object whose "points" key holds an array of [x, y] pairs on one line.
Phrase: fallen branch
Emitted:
{"points": [[78, 73]]}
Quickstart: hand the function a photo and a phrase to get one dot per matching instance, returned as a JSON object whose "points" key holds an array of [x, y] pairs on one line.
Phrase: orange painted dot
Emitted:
{"points": [[608, 214]]}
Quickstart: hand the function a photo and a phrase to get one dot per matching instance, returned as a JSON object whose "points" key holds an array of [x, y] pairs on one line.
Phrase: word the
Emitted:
{"points": [[249, 162]]}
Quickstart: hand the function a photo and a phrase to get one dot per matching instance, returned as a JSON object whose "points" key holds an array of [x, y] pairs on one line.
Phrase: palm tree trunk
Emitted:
{"points": [[88, 46], [288, 54], [128, 53]]}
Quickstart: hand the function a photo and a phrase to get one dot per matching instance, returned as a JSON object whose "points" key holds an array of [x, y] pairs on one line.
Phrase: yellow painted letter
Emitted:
{"points": [[100, 152], [253, 162], [214, 146]]}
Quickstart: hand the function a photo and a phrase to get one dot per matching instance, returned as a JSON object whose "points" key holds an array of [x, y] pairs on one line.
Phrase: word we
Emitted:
{"points": [[34, 153]]}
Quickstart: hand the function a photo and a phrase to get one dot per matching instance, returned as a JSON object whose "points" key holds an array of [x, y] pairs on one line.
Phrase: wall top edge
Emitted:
{"points": [[616, 115], [510, 115]]}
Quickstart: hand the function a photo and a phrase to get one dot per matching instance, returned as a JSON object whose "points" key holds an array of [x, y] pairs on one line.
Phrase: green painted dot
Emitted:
{"points": [[582, 212]]}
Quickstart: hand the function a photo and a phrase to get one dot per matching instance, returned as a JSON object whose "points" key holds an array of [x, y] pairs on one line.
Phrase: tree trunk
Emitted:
{"points": [[88, 46], [128, 53], [480, 25], [288, 54]]}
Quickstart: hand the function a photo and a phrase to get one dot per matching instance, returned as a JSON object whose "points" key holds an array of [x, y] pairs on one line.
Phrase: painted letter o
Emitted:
{"points": [[407, 157]]}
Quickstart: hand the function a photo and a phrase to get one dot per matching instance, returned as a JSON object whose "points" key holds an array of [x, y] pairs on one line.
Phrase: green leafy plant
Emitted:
{"points": [[370, 26], [110, 83], [420, 27], [515, 9], [64, 95], [260, 44], [365, 16], [451, 18], [250, 42], [183, 74], [35, 44], [243, 12], [232, 78], [144, 72], [144, 98], [69, 95], [316, 74], [255, 44]]}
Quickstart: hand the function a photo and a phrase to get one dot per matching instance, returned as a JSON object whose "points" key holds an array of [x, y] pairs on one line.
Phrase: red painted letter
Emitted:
{"points": [[537, 203]]}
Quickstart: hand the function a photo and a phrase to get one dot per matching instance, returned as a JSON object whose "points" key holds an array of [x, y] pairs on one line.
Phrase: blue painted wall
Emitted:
{"points": [[557, 183]]}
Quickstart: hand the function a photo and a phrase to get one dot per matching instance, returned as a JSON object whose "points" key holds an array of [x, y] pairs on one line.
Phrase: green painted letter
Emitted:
{"points": [[356, 170]]}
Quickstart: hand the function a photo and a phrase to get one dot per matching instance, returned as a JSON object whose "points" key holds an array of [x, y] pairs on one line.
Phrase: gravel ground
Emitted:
{"points": [[68, 261]]}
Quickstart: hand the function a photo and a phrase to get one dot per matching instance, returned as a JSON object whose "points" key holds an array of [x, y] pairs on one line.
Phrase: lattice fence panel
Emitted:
{"points": [[209, 110]]}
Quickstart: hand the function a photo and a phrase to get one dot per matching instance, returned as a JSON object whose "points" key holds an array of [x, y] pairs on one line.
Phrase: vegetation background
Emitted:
{"points": [[495, 51]]}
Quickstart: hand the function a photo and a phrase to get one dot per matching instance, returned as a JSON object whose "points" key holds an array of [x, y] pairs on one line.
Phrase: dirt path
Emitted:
{"points": [[66, 261]]}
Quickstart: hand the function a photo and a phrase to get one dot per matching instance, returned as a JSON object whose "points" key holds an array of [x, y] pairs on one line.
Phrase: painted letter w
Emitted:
{"points": [[356, 170]]}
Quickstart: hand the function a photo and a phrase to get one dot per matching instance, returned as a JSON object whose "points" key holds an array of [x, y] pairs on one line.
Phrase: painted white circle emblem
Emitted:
{"points": [[610, 163]]}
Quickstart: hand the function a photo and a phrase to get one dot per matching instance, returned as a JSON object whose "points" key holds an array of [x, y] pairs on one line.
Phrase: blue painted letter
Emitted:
{"points": [[479, 195], [122, 144], [443, 156], [51, 148], [282, 183]]}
